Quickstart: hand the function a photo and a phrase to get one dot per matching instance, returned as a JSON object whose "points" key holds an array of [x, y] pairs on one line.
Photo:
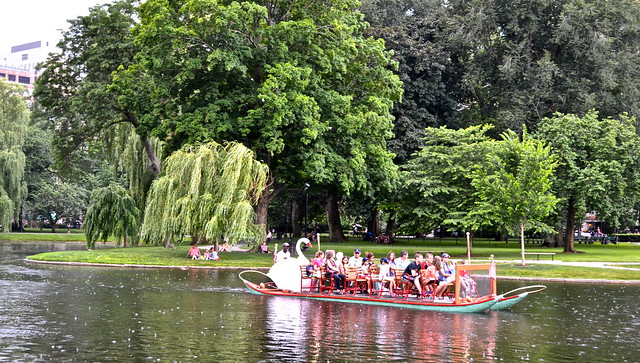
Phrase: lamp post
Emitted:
{"points": [[306, 207]]}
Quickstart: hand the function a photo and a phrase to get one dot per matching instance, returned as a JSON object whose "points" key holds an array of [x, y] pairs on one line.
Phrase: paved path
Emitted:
{"points": [[609, 265]]}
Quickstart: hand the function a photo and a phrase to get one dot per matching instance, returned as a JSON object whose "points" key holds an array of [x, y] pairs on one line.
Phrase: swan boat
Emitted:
{"points": [[457, 304]]}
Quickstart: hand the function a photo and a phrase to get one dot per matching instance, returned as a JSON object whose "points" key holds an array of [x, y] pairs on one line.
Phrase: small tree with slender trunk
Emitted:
{"points": [[112, 211], [513, 185]]}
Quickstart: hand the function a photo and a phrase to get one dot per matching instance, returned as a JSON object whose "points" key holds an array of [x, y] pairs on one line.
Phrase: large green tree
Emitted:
{"points": [[296, 81], [437, 185], [513, 184], [75, 95], [598, 166], [524, 60], [411, 30], [13, 127], [59, 200]]}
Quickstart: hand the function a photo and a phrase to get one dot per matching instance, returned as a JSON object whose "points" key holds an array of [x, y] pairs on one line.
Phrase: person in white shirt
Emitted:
{"points": [[283, 254], [403, 261], [356, 259]]}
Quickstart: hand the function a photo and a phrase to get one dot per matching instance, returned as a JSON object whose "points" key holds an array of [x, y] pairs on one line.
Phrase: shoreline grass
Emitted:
{"points": [[158, 256]]}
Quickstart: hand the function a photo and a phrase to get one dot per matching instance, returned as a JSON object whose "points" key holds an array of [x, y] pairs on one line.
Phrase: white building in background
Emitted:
{"points": [[19, 64]]}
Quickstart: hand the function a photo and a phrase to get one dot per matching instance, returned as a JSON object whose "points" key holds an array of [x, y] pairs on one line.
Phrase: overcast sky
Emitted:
{"points": [[25, 21]]}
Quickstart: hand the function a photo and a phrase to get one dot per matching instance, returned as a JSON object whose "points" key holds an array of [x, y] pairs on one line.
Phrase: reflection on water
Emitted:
{"points": [[99, 314]]}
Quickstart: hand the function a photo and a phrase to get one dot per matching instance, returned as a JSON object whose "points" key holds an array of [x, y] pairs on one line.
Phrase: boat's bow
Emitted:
{"points": [[514, 296]]}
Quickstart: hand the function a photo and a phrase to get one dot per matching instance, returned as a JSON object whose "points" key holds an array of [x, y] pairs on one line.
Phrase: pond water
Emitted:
{"points": [[66, 313]]}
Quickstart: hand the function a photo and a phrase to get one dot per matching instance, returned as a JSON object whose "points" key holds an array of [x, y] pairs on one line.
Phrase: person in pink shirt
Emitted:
{"points": [[194, 252]]}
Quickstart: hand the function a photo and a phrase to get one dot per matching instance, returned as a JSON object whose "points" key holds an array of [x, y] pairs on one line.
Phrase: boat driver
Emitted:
{"points": [[284, 254]]}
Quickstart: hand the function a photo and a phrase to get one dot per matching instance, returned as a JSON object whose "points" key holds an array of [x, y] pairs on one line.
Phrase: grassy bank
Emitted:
{"points": [[482, 250]]}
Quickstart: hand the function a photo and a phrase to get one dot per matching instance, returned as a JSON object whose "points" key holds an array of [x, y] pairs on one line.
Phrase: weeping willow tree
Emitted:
{"points": [[112, 211], [13, 122], [208, 191], [124, 145]]}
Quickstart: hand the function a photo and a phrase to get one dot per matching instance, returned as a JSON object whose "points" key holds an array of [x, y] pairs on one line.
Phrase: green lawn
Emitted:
{"points": [[623, 252]]}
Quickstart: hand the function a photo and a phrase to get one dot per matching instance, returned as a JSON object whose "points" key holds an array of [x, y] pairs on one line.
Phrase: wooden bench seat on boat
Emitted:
{"points": [[313, 279]]}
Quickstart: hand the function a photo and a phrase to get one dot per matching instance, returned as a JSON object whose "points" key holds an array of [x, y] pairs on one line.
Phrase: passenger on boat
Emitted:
{"points": [[432, 273], [444, 274], [283, 254], [387, 275], [342, 266], [411, 273], [449, 266], [403, 261], [391, 256], [363, 275], [331, 267], [318, 261], [467, 284], [356, 259], [194, 252]]}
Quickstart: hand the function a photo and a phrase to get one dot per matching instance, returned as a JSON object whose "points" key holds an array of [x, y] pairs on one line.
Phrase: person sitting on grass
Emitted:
{"points": [[194, 252], [213, 254], [224, 247], [264, 248]]}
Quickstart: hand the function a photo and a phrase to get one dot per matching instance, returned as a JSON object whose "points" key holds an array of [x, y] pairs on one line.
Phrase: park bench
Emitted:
{"points": [[534, 240], [552, 254], [581, 239]]}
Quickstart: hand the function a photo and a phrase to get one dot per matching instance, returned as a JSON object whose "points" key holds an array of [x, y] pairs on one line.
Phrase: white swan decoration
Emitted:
{"points": [[286, 273]]}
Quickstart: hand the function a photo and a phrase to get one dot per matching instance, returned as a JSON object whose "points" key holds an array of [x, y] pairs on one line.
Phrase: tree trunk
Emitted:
{"points": [[262, 209], [296, 225], [571, 221], [333, 220], [374, 223], [148, 148], [153, 158], [391, 225], [522, 241], [53, 225], [168, 242], [557, 240]]}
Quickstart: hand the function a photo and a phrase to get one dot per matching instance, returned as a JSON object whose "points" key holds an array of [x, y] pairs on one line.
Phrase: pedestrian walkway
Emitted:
{"points": [[608, 265]]}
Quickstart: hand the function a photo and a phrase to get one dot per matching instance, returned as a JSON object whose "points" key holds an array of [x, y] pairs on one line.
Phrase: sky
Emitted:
{"points": [[25, 21]]}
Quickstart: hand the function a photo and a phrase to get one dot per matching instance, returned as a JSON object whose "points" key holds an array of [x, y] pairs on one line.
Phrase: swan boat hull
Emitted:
{"points": [[480, 305]]}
